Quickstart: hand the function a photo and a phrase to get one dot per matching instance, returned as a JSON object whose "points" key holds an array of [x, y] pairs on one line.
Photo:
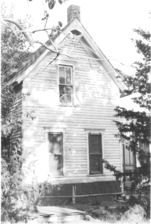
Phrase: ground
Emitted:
{"points": [[105, 212]]}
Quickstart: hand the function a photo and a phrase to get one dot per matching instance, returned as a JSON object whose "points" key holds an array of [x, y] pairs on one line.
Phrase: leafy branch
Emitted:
{"points": [[118, 174]]}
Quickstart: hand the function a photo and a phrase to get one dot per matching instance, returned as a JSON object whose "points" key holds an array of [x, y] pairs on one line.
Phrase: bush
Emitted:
{"points": [[17, 201], [14, 204], [135, 214]]}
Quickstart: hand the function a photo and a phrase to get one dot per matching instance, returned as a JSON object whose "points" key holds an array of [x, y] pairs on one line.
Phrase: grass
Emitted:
{"points": [[115, 212]]}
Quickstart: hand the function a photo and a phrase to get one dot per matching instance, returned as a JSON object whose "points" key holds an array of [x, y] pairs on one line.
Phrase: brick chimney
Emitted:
{"points": [[73, 12]]}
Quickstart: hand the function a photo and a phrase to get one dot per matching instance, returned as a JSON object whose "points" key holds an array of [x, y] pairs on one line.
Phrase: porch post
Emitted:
{"points": [[73, 194]]}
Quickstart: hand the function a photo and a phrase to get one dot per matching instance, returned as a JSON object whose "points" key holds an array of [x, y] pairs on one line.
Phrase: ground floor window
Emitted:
{"points": [[56, 153], [95, 153]]}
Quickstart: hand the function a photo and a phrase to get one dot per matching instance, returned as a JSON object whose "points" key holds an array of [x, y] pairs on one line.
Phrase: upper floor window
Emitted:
{"points": [[66, 84]]}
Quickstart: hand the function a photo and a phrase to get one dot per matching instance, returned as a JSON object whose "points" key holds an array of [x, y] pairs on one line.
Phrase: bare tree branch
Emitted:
{"points": [[34, 31], [57, 55], [47, 17], [44, 45], [29, 40]]}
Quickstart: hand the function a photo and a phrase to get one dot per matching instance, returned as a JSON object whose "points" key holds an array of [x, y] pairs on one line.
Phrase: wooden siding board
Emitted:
{"points": [[94, 111]]}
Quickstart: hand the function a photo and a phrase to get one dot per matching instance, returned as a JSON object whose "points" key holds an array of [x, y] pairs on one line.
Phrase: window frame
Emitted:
{"points": [[56, 130], [97, 132], [58, 154], [73, 87]]}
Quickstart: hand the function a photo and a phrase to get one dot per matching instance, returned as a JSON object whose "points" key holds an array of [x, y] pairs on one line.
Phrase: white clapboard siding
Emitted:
{"points": [[94, 109]]}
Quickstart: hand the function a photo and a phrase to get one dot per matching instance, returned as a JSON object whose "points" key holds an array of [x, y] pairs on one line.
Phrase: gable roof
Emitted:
{"points": [[36, 57]]}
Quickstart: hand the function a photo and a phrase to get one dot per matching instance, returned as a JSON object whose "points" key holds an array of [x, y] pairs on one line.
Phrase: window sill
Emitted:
{"points": [[96, 175], [66, 105]]}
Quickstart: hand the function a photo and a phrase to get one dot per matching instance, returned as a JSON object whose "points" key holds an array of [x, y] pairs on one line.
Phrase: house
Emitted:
{"points": [[66, 101]]}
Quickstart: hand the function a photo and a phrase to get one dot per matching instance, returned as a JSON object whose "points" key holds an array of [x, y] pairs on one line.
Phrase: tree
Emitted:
{"points": [[15, 51], [134, 127], [140, 83], [16, 43]]}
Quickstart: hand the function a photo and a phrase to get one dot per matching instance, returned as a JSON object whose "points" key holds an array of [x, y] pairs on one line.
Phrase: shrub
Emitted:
{"points": [[13, 198]]}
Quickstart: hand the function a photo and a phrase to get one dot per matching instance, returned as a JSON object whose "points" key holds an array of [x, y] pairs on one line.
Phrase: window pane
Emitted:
{"points": [[59, 160], [131, 156], [55, 143], [65, 93], [68, 76], [126, 156], [95, 164], [62, 75], [95, 143], [56, 152], [95, 153]]}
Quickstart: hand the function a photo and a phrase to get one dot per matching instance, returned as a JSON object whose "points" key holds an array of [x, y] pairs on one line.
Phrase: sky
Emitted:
{"points": [[111, 23]]}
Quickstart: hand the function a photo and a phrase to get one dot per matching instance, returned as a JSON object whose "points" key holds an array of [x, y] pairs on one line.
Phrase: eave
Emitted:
{"points": [[41, 53]]}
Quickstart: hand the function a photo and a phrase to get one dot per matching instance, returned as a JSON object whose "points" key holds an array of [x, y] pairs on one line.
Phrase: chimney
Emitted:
{"points": [[73, 12]]}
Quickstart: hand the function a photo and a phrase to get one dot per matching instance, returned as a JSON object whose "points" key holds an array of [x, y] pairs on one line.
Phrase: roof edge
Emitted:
{"points": [[74, 24]]}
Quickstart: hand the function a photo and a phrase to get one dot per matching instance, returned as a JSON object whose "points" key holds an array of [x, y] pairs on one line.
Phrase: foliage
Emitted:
{"points": [[115, 212], [13, 199], [16, 200], [140, 83], [118, 174], [52, 3], [13, 49], [134, 126], [135, 214]]}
